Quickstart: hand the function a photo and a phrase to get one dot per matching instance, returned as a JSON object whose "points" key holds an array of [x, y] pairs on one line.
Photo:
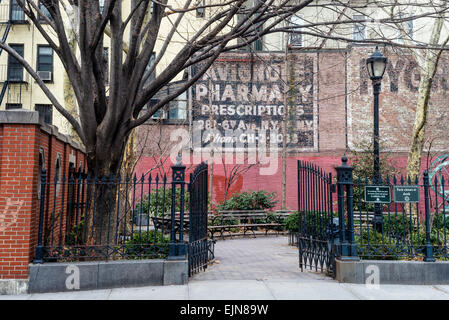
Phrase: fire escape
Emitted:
{"points": [[12, 75]]}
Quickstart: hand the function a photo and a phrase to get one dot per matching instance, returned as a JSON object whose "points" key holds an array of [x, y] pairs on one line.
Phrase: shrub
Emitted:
{"points": [[291, 222], [397, 226], [250, 200], [156, 204], [149, 245], [75, 236], [372, 245]]}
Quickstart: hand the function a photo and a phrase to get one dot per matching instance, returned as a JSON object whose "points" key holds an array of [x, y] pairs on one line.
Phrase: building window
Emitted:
{"points": [[201, 10], [45, 12], [101, 3], [256, 45], [15, 69], [45, 112], [45, 63], [175, 110], [407, 27], [12, 106], [295, 39], [358, 28], [16, 13], [178, 108]]}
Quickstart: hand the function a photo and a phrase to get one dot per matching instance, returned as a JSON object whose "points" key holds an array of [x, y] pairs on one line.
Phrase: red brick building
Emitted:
{"points": [[330, 113]]}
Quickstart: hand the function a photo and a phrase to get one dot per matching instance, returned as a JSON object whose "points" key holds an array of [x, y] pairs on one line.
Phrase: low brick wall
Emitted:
{"points": [[26, 146]]}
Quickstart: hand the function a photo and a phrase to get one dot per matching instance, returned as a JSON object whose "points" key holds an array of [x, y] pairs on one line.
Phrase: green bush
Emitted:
{"points": [[250, 200], [156, 204], [291, 222], [316, 222], [147, 245], [439, 222], [75, 236], [218, 221], [371, 245], [398, 226]]}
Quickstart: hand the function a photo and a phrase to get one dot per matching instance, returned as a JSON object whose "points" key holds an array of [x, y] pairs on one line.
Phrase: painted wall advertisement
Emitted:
{"points": [[240, 103]]}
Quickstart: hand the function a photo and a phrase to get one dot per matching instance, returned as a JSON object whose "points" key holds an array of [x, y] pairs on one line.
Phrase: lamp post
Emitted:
{"points": [[376, 65]]}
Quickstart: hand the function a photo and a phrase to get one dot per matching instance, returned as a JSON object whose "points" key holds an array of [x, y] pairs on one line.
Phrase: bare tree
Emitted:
{"points": [[111, 106], [108, 114]]}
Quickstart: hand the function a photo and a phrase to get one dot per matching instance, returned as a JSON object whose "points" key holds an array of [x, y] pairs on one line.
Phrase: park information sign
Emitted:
{"points": [[406, 194], [377, 194]]}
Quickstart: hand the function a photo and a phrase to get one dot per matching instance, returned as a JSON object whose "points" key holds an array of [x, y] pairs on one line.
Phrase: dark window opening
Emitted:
{"points": [[45, 112], [295, 39], [359, 28], [45, 63], [45, 12], [16, 13], [200, 11], [11, 106], [15, 69]]}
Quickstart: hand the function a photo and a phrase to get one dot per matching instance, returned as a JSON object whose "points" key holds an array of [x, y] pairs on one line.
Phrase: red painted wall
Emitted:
{"points": [[252, 180]]}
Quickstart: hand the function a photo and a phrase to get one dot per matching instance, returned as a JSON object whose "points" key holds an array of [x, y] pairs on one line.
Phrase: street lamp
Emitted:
{"points": [[376, 65]]}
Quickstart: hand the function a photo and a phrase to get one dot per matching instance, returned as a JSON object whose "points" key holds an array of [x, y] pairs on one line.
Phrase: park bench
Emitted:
{"points": [[225, 223], [365, 219], [164, 223]]}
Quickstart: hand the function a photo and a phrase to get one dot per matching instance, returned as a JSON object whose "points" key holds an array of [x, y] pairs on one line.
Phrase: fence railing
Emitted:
{"points": [[101, 218], [394, 218], [413, 218]]}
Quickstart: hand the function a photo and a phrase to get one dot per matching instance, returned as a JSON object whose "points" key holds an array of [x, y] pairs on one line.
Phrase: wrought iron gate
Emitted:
{"points": [[316, 225], [200, 248]]}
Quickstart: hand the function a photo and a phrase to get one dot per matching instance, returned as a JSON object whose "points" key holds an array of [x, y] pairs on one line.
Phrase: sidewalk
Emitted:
{"points": [[255, 269], [253, 290]]}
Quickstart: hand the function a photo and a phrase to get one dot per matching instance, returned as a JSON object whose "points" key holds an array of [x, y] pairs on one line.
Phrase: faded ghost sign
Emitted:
{"points": [[240, 100]]}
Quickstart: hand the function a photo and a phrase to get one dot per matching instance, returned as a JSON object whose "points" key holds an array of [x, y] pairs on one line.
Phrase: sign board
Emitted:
{"points": [[406, 194], [239, 103], [377, 194]]}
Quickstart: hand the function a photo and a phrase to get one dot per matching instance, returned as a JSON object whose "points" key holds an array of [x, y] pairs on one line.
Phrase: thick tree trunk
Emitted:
{"points": [[104, 168], [429, 66]]}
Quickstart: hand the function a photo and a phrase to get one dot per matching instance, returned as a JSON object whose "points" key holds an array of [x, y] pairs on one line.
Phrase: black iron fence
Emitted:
{"points": [[316, 215], [84, 218], [394, 218], [412, 214]]}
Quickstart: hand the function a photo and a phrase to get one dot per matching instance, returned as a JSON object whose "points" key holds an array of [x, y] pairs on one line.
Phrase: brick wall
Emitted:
{"points": [[22, 139]]}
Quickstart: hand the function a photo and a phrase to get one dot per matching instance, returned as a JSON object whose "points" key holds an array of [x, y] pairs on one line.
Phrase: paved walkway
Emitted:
{"points": [[255, 269], [263, 258]]}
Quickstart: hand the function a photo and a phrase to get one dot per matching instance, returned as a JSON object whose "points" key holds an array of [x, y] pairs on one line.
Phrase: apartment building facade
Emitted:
{"points": [[332, 106]]}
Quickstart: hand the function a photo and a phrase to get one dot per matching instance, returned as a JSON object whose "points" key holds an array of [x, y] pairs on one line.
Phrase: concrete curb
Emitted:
{"points": [[393, 272], [80, 276]]}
